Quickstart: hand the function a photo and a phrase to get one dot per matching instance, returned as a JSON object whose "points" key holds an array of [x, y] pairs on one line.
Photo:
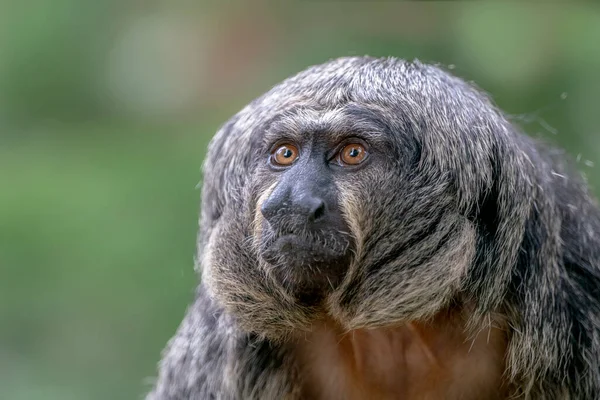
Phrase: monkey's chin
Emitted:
{"points": [[307, 269]]}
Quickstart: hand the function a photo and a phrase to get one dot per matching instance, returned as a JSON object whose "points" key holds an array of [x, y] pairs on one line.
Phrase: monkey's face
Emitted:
{"points": [[301, 224], [350, 200]]}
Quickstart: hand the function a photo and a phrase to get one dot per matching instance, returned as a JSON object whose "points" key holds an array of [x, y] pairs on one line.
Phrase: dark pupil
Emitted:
{"points": [[287, 153], [354, 152]]}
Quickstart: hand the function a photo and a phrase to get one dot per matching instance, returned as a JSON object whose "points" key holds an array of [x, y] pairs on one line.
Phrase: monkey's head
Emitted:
{"points": [[363, 189]]}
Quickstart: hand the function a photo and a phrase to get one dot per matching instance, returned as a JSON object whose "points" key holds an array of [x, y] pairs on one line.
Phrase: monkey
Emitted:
{"points": [[376, 228]]}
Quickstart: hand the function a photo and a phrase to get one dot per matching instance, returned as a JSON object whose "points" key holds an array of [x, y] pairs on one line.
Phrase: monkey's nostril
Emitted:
{"points": [[318, 210], [268, 210]]}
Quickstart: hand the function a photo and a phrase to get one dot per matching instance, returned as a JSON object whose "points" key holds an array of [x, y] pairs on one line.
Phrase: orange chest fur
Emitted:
{"points": [[415, 361]]}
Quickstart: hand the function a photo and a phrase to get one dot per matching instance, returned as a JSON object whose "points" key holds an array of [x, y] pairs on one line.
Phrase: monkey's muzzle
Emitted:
{"points": [[304, 237], [306, 261]]}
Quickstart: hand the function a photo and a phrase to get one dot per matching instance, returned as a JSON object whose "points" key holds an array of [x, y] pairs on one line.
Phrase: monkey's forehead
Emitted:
{"points": [[367, 79], [413, 90]]}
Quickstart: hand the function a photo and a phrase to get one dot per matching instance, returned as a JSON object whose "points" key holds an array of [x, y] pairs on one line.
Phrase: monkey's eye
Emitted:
{"points": [[284, 155], [352, 154]]}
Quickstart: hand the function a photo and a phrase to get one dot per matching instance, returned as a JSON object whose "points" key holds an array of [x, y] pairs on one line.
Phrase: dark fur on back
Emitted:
{"points": [[466, 210]]}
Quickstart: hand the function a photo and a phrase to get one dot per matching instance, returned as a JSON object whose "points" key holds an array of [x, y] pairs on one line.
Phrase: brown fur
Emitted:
{"points": [[416, 361]]}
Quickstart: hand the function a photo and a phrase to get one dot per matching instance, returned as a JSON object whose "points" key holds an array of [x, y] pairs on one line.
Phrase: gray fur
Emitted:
{"points": [[468, 209]]}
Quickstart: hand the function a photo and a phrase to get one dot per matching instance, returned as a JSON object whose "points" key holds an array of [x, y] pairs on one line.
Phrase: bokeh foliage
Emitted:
{"points": [[106, 109]]}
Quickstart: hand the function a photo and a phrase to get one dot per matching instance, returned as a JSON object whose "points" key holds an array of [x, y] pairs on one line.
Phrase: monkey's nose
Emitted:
{"points": [[310, 208]]}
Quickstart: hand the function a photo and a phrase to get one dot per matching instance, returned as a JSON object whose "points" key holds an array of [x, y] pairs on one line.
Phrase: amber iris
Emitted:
{"points": [[353, 154], [285, 155]]}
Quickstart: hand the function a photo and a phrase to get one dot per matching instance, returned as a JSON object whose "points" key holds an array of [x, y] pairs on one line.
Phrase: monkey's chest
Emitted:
{"points": [[409, 362]]}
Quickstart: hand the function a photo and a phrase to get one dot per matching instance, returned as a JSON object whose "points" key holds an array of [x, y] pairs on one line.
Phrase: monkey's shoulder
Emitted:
{"points": [[211, 358], [195, 355]]}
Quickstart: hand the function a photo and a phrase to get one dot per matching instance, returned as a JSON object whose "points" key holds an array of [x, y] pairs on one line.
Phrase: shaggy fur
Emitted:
{"points": [[465, 209]]}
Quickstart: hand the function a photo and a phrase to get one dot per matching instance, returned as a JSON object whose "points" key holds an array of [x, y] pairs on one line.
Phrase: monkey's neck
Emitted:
{"points": [[431, 360]]}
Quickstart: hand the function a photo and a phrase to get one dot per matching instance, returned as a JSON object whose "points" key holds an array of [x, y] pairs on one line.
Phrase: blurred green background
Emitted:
{"points": [[106, 108]]}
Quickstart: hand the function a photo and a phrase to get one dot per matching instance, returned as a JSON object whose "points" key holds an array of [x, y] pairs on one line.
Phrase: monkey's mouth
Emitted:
{"points": [[303, 247], [301, 261], [296, 244]]}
